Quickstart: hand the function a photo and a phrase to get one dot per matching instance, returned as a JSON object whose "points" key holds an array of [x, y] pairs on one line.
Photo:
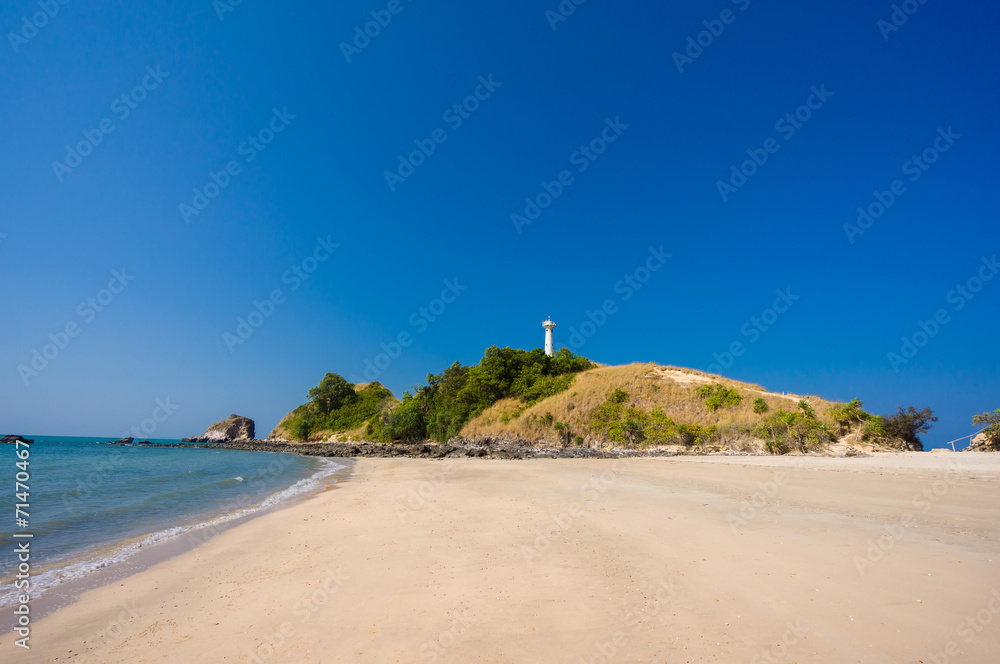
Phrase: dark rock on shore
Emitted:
{"points": [[16, 439], [122, 441], [483, 448]]}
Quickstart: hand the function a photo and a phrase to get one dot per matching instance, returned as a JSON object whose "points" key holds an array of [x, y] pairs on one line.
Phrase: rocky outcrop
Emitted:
{"points": [[484, 448], [234, 428], [982, 444], [16, 439]]}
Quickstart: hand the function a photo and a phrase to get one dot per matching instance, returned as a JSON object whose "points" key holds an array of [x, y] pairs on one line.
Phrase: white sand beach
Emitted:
{"points": [[687, 559]]}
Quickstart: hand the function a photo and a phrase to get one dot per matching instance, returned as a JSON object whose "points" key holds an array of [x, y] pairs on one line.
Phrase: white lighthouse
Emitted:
{"points": [[549, 347]]}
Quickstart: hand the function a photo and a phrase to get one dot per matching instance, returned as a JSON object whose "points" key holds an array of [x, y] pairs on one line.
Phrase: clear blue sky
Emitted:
{"points": [[323, 175]]}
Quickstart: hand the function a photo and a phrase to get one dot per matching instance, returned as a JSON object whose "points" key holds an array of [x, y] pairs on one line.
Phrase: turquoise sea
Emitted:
{"points": [[93, 504]]}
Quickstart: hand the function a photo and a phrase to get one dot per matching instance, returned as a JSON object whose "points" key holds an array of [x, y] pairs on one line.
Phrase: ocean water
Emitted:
{"points": [[93, 504]]}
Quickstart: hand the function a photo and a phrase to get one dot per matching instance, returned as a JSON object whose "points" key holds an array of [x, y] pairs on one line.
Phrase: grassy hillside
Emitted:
{"points": [[641, 405]]}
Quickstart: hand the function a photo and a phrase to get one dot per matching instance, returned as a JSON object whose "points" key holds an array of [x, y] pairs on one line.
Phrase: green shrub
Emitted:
{"points": [[628, 425], [783, 429], [302, 428], [874, 428], [760, 406], [693, 434], [850, 413], [776, 446], [618, 396], [718, 396]]}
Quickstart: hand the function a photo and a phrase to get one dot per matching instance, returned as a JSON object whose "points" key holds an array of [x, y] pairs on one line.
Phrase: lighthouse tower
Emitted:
{"points": [[549, 326]]}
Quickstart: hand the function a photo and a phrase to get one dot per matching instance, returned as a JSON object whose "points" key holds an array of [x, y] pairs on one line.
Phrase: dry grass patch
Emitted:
{"points": [[649, 386]]}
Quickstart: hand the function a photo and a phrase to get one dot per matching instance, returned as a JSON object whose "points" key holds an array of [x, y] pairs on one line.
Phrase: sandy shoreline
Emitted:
{"points": [[122, 559], [684, 559]]}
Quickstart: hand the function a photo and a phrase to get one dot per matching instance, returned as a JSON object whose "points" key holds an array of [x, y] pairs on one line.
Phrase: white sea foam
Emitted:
{"points": [[57, 576]]}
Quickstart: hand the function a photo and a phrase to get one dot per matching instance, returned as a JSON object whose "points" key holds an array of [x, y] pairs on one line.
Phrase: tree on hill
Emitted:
{"points": [[909, 422], [332, 393]]}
